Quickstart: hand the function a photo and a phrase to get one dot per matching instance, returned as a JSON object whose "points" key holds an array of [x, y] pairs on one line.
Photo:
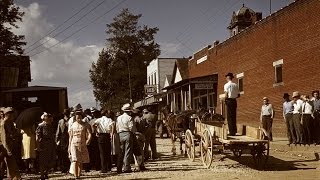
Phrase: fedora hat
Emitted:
{"points": [[315, 91], [295, 94], [126, 107], [265, 98], [93, 109], [285, 95], [77, 108], [230, 75], [145, 111]]}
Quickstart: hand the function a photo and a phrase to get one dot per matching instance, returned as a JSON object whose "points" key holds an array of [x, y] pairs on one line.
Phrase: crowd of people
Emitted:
{"points": [[301, 115], [80, 141]]}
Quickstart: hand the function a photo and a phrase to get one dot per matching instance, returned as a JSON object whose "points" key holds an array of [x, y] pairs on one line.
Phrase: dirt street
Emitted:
{"points": [[281, 165]]}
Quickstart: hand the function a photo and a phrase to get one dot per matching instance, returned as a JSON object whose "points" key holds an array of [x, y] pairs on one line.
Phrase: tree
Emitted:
{"points": [[121, 66], [9, 15]]}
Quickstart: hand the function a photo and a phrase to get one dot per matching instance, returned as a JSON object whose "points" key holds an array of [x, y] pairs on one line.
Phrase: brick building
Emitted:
{"points": [[278, 54]]}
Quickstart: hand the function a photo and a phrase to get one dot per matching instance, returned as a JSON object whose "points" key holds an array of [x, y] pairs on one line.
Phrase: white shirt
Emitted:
{"points": [[297, 106], [124, 123], [70, 122], [232, 89], [103, 124], [307, 108]]}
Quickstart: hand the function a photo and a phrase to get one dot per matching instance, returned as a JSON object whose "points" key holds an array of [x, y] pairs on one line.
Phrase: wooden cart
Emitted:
{"points": [[212, 138]]}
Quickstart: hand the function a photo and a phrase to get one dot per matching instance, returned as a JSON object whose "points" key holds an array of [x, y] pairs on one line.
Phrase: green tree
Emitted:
{"points": [[9, 15], [129, 47]]}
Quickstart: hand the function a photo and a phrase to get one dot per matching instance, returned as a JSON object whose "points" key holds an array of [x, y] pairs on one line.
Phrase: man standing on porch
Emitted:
{"points": [[231, 91]]}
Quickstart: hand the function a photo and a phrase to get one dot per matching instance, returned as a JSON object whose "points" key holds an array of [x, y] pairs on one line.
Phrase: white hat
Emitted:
{"points": [[145, 111], [43, 115], [93, 109], [295, 94], [7, 109], [126, 107]]}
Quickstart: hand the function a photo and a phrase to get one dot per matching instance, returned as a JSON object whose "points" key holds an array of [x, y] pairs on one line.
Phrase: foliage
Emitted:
{"points": [[129, 48], [9, 15]]}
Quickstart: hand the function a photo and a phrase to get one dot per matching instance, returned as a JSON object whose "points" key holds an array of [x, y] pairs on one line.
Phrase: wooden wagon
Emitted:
{"points": [[212, 138]]}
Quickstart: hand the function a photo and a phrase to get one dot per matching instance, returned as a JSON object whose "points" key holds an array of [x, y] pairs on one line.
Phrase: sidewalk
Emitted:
{"points": [[310, 152]]}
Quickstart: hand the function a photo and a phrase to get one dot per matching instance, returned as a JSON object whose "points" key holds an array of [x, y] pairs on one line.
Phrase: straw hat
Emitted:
{"points": [[265, 98], [126, 107], [145, 111], [77, 108], [7, 110], [295, 94]]}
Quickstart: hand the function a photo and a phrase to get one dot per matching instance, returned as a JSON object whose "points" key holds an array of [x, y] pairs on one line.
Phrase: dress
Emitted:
{"points": [[47, 145], [28, 143], [79, 150]]}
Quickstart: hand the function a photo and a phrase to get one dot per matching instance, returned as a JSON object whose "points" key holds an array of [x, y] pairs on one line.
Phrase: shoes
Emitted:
{"points": [[143, 168], [127, 171]]}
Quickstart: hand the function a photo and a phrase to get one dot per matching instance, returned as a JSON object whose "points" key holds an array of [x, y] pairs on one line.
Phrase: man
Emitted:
{"points": [[266, 117], [231, 91], [104, 127], [316, 123], [307, 119], [7, 139], [124, 129], [93, 147], [287, 115], [150, 134], [62, 140], [296, 117]]}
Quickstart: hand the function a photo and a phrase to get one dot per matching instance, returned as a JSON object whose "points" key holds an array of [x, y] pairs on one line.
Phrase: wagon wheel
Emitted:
{"points": [[206, 148], [261, 154], [189, 145], [237, 152]]}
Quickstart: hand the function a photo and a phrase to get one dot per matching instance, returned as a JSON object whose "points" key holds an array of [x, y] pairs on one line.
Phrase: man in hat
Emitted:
{"points": [[296, 117], [287, 116], [7, 139], [266, 117], [62, 140], [307, 119], [316, 123], [93, 147], [150, 133], [231, 91], [124, 127]]}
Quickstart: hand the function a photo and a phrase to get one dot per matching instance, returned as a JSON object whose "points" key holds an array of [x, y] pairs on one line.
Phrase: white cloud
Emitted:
{"points": [[66, 65]]}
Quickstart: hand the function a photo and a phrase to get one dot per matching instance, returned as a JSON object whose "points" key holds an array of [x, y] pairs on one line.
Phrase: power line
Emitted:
{"points": [[98, 5], [117, 5], [61, 24]]}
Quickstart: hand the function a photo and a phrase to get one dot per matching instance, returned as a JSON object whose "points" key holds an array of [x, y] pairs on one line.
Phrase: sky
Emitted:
{"points": [[64, 37]]}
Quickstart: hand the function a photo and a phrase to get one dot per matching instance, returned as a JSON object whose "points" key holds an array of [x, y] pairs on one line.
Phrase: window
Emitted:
{"points": [[240, 82], [278, 72]]}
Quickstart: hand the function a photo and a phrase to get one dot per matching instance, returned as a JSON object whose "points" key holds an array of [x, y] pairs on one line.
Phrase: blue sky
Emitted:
{"points": [[185, 27]]}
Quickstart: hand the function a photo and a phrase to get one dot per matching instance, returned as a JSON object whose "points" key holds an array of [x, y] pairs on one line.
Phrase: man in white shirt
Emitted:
{"points": [[297, 110], [307, 119], [104, 127], [231, 91], [124, 128]]}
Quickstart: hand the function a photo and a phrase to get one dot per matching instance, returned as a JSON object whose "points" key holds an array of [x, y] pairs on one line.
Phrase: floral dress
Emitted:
{"points": [[78, 149]]}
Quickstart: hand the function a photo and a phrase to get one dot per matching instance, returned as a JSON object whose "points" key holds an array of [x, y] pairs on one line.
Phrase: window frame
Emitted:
{"points": [[240, 76], [278, 64]]}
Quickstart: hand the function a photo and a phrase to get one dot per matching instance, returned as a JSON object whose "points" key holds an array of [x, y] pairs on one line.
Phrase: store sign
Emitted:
{"points": [[203, 86], [150, 89]]}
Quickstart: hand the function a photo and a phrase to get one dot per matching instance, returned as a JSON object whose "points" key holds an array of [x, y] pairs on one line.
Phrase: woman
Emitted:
{"points": [[28, 147], [45, 137], [80, 136]]}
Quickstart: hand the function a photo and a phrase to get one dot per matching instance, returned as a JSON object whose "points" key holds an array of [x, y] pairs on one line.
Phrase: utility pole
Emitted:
{"points": [[129, 76]]}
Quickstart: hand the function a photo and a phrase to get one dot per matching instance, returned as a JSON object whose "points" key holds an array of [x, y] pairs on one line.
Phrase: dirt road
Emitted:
{"points": [[281, 165]]}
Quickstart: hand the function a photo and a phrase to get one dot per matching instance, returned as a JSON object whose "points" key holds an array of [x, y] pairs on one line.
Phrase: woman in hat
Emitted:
{"points": [[266, 117], [46, 145], [80, 136]]}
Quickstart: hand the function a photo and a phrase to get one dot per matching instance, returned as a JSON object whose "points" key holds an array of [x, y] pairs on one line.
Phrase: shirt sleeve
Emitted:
{"points": [[272, 111], [225, 87]]}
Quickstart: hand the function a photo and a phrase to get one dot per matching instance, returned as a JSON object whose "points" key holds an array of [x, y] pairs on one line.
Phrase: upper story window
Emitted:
{"points": [[240, 82], [278, 74]]}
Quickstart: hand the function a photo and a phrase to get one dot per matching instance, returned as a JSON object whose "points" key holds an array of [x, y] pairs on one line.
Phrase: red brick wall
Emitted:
{"points": [[291, 34]]}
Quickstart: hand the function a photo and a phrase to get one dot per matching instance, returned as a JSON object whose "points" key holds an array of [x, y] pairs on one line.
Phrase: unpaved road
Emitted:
{"points": [[281, 165]]}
